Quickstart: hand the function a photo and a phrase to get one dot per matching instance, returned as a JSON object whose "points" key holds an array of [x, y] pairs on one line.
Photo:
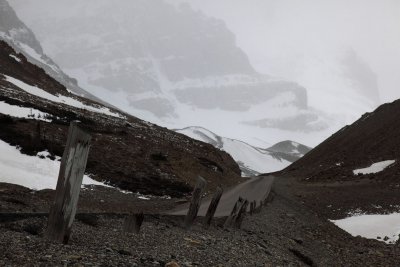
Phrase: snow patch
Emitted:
{"points": [[22, 112], [31, 171], [30, 51], [33, 90], [15, 58], [375, 168], [372, 226]]}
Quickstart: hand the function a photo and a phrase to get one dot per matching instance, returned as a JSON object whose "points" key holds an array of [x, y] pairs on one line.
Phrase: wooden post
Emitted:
{"points": [[252, 207], [73, 165], [240, 215], [133, 223], [195, 203], [234, 212], [213, 207]]}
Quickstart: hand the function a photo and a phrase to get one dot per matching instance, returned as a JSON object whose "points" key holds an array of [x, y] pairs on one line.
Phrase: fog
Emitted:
{"points": [[269, 70], [281, 35]]}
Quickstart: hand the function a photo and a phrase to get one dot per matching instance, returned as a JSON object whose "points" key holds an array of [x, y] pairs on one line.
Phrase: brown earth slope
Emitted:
{"points": [[326, 173], [126, 152]]}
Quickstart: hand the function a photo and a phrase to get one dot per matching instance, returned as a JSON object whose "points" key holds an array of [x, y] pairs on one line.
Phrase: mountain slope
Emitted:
{"points": [[252, 160], [173, 66], [356, 170], [23, 40], [126, 152], [369, 140]]}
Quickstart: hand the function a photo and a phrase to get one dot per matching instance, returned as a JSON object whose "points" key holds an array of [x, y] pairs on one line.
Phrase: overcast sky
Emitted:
{"points": [[279, 35]]}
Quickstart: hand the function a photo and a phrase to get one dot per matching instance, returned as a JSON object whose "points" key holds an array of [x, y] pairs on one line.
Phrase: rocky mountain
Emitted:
{"points": [[23, 40], [251, 160], [128, 153], [356, 170], [171, 65]]}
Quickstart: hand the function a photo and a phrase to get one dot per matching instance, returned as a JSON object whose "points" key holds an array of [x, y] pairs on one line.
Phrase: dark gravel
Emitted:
{"points": [[284, 233]]}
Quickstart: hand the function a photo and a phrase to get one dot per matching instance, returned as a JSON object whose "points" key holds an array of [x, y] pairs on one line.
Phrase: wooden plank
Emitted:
{"points": [[133, 223], [213, 207], [195, 202], [73, 165]]}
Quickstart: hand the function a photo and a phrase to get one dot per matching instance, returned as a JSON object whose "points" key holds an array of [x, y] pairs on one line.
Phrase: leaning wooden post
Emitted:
{"points": [[133, 223], [195, 202], [213, 207], [73, 165], [234, 212], [240, 215], [252, 207]]}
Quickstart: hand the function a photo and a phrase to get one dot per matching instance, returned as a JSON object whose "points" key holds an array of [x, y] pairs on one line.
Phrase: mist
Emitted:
{"points": [[177, 67], [280, 36]]}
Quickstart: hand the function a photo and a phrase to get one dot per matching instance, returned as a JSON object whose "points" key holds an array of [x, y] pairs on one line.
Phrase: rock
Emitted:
{"points": [[172, 264], [124, 252], [192, 241], [298, 240]]}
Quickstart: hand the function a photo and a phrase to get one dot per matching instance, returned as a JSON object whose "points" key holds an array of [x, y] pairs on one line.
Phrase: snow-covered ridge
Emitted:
{"points": [[375, 168], [30, 171], [33, 90], [252, 160]]}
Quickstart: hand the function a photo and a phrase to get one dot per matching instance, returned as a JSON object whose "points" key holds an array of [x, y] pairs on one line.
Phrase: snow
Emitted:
{"points": [[253, 158], [30, 51], [33, 90], [372, 226], [375, 168], [31, 171], [21, 112], [16, 58]]}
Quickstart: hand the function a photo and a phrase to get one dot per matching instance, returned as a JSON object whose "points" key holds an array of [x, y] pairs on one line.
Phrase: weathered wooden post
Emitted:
{"points": [[195, 202], [73, 165], [133, 223], [240, 215], [234, 212], [252, 207], [213, 207]]}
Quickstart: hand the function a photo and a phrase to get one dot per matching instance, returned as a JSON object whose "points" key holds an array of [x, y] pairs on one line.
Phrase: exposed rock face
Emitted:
{"points": [[11, 26], [163, 62], [23, 40]]}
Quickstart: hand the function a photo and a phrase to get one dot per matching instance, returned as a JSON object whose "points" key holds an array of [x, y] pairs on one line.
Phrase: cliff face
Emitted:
{"points": [[23, 40], [166, 63]]}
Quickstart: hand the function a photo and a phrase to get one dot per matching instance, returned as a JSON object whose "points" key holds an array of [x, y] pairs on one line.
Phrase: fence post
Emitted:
{"points": [[213, 207], [234, 212], [133, 223], [240, 215], [195, 202], [73, 165]]}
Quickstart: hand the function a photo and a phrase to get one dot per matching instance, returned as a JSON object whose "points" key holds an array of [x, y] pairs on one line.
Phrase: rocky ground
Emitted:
{"points": [[285, 233]]}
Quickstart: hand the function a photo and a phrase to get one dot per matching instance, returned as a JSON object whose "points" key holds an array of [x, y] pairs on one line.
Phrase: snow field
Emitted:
{"points": [[30, 171], [372, 226], [375, 168]]}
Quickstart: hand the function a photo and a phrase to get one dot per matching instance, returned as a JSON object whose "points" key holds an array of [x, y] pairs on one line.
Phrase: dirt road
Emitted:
{"points": [[256, 188]]}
